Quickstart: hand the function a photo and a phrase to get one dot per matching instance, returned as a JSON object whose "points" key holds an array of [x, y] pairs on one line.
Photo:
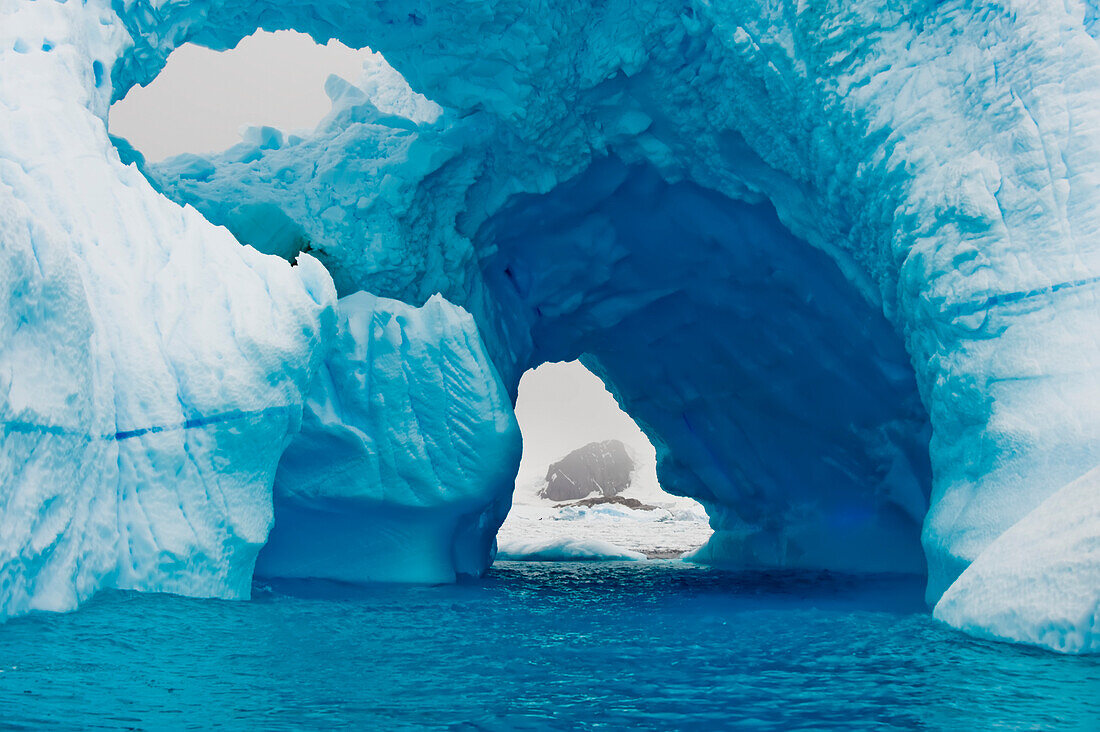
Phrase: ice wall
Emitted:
{"points": [[783, 196], [151, 368], [404, 466]]}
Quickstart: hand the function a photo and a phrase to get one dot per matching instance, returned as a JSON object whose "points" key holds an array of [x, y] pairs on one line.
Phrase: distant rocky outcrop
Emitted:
{"points": [[603, 468], [633, 503]]}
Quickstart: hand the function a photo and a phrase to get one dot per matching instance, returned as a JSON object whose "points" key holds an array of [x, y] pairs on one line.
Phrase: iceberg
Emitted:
{"points": [[152, 369], [403, 468], [840, 263]]}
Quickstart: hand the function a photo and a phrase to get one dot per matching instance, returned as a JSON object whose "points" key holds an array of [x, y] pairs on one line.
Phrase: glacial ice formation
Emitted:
{"points": [[152, 369], [790, 237], [404, 466]]}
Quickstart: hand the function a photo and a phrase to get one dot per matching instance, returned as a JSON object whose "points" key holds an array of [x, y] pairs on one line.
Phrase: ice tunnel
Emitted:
{"points": [[840, 263], [731, 341]]}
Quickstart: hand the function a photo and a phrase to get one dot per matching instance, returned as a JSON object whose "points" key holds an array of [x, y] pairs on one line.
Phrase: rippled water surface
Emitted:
{"points": [[647, 645]]}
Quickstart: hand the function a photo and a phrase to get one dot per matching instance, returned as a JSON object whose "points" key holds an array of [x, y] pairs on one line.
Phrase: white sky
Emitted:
{"points": [[563, 406], [202, 98]]}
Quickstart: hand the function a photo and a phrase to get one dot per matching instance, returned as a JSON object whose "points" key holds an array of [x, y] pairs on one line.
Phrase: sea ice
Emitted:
{"points": [[565, 550]]}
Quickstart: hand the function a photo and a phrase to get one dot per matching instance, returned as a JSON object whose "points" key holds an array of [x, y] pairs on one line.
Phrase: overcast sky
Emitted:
{"points": [[562, 406], [202, 98]]}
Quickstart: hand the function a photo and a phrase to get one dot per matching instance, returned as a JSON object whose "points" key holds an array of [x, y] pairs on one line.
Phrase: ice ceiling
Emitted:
{"points": [[840, 262]]}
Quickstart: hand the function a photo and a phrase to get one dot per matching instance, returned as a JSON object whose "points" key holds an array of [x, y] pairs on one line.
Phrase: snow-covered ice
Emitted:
{"points": [[673, 526], [151, 368], [1039, 582]]}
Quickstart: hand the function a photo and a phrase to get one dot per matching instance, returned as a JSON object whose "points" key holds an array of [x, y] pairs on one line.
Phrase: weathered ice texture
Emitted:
{"points": [[840, 261], [151, 368], [1038, 581], [409, 447], [601, 468]]}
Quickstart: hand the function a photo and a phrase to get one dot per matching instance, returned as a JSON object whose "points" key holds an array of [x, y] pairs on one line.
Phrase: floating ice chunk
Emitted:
{"points": [[565, 550], [1039, 582]]}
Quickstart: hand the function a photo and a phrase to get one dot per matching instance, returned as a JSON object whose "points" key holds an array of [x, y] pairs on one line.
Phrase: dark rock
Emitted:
{"points": [[603, 468], [633, 503]]}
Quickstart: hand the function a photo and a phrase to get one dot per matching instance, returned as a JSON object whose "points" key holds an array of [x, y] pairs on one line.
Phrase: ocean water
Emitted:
{"points": [[638, 645]]}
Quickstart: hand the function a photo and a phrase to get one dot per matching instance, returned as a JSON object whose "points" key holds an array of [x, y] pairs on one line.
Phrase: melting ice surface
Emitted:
{"points": [[638, 645]]}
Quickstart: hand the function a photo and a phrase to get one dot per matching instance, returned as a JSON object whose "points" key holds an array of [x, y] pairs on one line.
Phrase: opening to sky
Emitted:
{"points": [[202, 98]]}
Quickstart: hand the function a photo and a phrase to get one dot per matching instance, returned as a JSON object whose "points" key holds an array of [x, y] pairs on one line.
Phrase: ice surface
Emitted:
{"points": [[151, 368], [565, 550], [669, 527], [404, 465], [1039, 582], [790, 237]]}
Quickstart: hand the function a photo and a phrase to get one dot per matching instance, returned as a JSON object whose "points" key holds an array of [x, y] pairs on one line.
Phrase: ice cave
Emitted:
{"points": [[840, 262]]}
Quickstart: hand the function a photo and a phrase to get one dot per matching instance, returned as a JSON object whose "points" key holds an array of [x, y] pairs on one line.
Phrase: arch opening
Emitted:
{"points": [[587, 484], [203, 100], [774, 393], [241, 149]]}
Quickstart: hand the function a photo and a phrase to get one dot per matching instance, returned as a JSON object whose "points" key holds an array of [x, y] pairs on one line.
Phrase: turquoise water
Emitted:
{"points": [[645, 645]]}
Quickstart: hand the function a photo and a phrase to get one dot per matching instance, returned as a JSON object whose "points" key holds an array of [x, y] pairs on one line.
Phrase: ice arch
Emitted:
{"points": [[942, 156], [775, 394]]}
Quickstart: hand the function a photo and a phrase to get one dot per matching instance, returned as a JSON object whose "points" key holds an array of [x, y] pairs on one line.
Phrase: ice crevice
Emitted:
{"points": [[838, 263]]}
